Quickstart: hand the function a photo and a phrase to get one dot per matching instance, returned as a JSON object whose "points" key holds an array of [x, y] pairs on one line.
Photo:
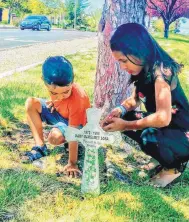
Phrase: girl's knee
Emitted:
{"points": [[55, 137], [162, 153]]}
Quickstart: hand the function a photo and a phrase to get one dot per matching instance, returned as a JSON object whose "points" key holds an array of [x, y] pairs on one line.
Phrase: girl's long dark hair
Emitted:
{"points": [[134, 39]]}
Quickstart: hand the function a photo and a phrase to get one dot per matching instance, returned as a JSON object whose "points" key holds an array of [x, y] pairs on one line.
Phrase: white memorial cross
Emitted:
{"points": [[92, 136]]}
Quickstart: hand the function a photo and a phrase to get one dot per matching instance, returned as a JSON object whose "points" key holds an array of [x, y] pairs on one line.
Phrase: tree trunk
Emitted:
{"points": [[148, 22], [111, 84], [166, 30], [9, 15]]}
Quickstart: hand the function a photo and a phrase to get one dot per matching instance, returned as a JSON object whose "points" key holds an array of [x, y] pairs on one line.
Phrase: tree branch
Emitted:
{"points": [[174, 10], [160, 11], [174, 18], [166, 2], [172, 5]]}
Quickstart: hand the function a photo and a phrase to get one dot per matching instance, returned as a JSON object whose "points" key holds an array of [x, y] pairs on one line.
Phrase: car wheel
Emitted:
{"points": [[39, 27], [49, 28]]}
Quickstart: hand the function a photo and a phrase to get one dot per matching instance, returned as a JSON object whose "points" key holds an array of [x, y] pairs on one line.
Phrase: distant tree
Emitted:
{"points": [[45, 7], [81, 6], [69, 17], [52, 3], [54, 6], [168, 10], [2, 5], [93, 18], [16, 6], [37, 7]]}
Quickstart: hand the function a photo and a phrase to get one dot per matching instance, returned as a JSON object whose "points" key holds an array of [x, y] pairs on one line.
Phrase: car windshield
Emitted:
{"points": [[33, 17]]}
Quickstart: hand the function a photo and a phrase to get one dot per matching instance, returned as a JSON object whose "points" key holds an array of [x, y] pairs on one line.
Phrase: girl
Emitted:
{"points": [[163, 130]]}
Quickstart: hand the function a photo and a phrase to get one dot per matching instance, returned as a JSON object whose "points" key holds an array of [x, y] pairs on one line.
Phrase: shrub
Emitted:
{"points": [[158, 26], [4, 22], [16, 21]]}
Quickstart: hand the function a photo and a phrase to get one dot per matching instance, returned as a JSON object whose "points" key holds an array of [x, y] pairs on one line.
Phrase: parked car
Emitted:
{"points": [[36, 22]]}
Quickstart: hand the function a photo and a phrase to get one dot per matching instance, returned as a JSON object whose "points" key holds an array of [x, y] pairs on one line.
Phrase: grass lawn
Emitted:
{"points": [[38, 195]]}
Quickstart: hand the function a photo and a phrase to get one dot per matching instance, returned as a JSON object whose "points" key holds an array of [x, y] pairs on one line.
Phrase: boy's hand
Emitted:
{"points": [[72, 170], [50, 105]]}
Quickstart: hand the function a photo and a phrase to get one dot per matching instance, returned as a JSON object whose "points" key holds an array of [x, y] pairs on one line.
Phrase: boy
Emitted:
{"points": [[67, 106]]}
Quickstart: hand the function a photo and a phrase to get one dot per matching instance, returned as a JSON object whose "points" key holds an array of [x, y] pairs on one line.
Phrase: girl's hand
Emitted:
{"points": [[50, 106], [115, 124], [114, 113]]}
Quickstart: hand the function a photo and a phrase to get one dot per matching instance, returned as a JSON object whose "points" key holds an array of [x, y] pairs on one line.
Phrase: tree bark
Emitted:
{"points": [[111, 84]]}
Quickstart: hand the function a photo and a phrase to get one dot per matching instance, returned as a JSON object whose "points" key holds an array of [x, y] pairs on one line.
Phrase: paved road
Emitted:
{"points": [[15, 37]]}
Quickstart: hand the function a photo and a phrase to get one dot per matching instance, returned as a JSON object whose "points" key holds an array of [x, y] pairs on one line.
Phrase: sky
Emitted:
{"points": [[97, 3]]}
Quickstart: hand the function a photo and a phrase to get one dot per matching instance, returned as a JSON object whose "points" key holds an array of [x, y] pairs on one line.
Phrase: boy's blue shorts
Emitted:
{"points": [[54, 118]]}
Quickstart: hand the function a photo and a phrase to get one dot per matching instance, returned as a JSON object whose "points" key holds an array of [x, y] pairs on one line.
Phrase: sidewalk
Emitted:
{"points": [[7, 26], [23, 58]]}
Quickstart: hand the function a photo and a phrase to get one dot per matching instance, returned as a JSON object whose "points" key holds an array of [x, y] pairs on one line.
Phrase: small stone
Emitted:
{"points": [[39, 163], [142, 174], [143, 162], [127, 148], [8, 216], [130, 168], [111, 171]]}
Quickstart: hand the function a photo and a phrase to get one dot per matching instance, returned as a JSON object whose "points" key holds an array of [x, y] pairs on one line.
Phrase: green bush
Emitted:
{"points": [[91, 29], [82, 28], [16, 21], [4, 22]]}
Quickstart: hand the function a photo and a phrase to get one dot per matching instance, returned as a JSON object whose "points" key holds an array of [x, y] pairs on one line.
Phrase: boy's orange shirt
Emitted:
{"points": [[74, 107]]}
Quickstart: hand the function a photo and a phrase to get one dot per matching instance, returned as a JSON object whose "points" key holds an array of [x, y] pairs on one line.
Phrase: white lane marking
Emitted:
{"points": [[19, 40], [9, 30], [10, 38], [3, 37]]}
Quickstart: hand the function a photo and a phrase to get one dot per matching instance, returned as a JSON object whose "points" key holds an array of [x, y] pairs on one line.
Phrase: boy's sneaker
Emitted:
{"points": [[36, 153]]}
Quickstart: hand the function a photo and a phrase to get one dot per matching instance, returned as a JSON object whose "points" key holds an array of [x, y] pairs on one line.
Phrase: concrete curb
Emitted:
{"points": [[7, 27], [27, 46], [14, 27], [21, 69]]}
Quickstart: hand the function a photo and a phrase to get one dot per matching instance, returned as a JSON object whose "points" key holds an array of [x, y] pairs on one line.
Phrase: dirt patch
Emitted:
{"points": [[118, 163]]}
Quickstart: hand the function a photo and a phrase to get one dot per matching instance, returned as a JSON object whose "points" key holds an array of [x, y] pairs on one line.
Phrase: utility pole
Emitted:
{"points": [[75, 14]]}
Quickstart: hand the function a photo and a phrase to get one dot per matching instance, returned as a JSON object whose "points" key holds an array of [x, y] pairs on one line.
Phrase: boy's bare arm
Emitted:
{"points": [[71, 168], [73, 152]]}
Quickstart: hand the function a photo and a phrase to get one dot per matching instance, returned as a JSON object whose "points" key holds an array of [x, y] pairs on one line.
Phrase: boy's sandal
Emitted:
{"points": [[38, 153]]}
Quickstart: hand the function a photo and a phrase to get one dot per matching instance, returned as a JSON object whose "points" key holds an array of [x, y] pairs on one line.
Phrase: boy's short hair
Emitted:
{"points": [[57, 70]]}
